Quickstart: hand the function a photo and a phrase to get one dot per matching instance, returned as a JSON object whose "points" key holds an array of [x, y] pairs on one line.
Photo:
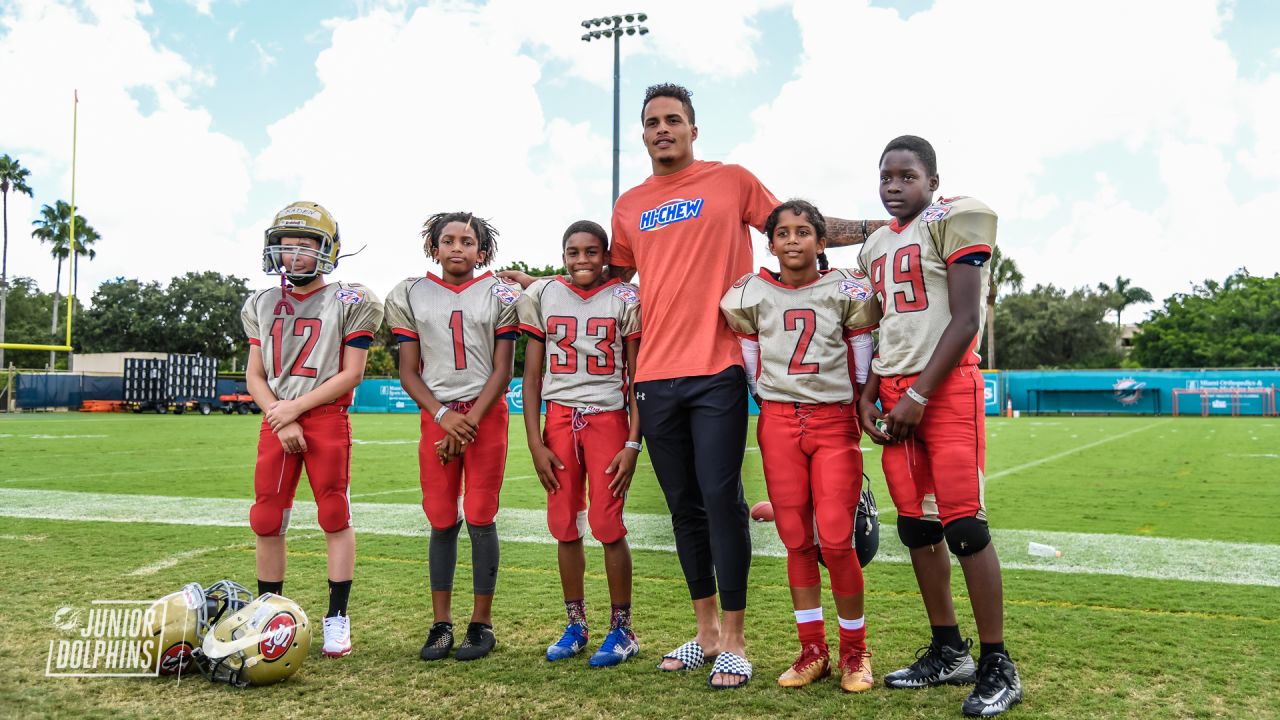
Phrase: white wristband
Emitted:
{"points": [[633, 445], [911, 393], [440, 413]]}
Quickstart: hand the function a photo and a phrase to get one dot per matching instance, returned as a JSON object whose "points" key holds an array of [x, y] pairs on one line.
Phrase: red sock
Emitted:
{"points": [[810, 627], [853, 636]]}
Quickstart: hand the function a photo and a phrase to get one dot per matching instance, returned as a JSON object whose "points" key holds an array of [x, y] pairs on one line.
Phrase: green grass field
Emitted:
{"points": [[1164, 604]]}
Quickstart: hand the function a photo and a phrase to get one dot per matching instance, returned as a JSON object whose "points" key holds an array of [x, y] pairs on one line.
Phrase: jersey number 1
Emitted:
{"points": [[308, 327]]}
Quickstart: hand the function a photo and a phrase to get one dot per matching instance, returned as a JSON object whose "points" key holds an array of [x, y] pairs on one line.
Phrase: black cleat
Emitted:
{"points": [[935, 665], [478, 642], [998, 688], [439, 642]]}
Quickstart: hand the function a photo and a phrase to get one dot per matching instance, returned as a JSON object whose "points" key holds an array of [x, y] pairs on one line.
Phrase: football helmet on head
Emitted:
{"points": [[301, 219], [264, 642], [177, 623]]}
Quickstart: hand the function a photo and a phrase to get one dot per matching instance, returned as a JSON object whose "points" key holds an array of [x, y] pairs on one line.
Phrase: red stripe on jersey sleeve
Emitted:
{"points": [[404, 331], [526, 327], [506, 329], [860, 331], [968, 250], [255, 341], [632, 336], [747, 336], [356, 334]]}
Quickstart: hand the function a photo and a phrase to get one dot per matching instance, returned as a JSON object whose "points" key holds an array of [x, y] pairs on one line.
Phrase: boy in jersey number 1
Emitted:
{"points": [[457, 335], [928, 269], [308, 342], [587, 329], [800, 327]]}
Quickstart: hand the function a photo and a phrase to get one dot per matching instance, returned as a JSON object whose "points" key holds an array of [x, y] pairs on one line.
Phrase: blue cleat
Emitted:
{"points": [[619, 646], [572, 642]]}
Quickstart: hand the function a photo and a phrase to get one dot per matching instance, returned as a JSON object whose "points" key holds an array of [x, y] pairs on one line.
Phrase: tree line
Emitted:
{"points": [[1234, 323]]}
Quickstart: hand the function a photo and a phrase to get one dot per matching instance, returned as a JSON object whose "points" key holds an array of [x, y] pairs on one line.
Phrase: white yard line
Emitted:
{"points": [[1072, 451], [1082, 553]]}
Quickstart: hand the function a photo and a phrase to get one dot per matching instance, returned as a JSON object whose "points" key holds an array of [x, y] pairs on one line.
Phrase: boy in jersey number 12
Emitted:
{"points": [[587, 330], [929, 268], [457, 335], [308, 342], [799, 329]]}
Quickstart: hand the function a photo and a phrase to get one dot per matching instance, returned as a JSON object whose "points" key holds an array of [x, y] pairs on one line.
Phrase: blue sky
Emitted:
{"points": [[1113, 139]]}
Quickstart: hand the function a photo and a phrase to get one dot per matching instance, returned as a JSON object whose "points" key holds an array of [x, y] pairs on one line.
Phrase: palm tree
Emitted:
{"points": [[54, 227], [1004, 271], [1123, 294], [12, 177]]}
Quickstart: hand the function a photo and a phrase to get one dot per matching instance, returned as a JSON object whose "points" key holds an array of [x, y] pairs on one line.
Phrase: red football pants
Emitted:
{"points": [[483, 465], [327, 433], [585, 453], [938, 474], [813, 470]]}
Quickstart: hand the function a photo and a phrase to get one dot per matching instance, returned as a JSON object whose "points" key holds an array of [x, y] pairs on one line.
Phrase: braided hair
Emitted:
{"points": [[486, 234]]}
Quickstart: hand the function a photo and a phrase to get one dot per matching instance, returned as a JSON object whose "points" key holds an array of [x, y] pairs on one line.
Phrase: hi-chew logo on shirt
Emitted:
{"points": [[669, 213]]}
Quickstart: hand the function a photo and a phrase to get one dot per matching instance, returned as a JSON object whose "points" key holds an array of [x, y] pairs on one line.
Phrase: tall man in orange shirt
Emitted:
{"points": [[686, 229]]}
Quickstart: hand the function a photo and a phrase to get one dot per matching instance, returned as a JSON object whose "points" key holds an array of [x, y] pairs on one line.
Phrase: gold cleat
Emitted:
{"points": [[813, 664], [855, 672]]}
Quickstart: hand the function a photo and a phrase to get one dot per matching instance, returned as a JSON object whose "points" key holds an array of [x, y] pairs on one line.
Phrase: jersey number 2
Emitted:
{"points": [[308, 327], [804, 320]]}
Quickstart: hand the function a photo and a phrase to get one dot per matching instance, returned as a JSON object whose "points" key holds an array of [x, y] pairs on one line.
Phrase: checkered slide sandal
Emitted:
{"points": [[690, 654], [730, 664]]}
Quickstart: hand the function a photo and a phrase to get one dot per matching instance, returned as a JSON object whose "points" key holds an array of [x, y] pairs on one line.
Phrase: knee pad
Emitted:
{"points": [[266, 520], [967, 535], [917, 533], [333, 514]]}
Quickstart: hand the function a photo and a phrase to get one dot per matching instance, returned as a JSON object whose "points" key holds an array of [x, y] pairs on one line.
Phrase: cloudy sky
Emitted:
{"points": [[1113, 138]]}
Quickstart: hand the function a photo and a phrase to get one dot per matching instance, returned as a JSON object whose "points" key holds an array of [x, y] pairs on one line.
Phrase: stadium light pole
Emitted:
{"points": [[615, 26]]}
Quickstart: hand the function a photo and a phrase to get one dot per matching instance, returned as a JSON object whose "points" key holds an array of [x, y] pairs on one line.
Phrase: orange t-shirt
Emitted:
{"points": [[688, 236]]}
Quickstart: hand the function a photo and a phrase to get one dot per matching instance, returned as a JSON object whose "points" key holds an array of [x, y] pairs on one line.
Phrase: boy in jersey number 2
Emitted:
{"points": [[800, 327], [587, 329], [457, 335], [307, 348], [928, 268]]}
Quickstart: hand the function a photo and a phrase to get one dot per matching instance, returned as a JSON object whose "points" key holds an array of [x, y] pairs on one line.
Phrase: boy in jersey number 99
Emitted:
{"points": [[929, 268], [308, 342]]}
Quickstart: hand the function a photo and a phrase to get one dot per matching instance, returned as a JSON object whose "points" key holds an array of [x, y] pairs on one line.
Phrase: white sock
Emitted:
{"points": [[855, 624], [806, 616]]}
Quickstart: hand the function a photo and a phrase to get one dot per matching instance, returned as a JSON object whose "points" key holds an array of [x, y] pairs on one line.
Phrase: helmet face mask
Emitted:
{"points": [[301, 219], [866, 526], [179, 622]]}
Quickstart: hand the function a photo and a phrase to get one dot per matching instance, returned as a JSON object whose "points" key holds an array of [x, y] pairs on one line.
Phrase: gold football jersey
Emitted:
{"points": [[456, 327], [908, 265], [302, 336], [585, 332], [802, 331]]}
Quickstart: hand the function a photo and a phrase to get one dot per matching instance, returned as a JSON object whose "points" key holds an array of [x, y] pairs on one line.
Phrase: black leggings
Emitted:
{"points": [[696, 430]]}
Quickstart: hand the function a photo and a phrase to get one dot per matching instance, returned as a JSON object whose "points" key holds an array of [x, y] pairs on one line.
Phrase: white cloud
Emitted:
{"points": [[1002, 89], [162, 188], [204, 7], [265, 59], [425, 113]]}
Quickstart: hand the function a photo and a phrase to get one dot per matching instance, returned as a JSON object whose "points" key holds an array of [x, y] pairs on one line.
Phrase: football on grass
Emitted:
{"points": [[762, 511]]}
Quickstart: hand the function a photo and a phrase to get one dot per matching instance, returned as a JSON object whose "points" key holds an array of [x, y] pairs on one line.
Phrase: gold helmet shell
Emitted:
{"points": [[302, 219], [262, 643]]}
